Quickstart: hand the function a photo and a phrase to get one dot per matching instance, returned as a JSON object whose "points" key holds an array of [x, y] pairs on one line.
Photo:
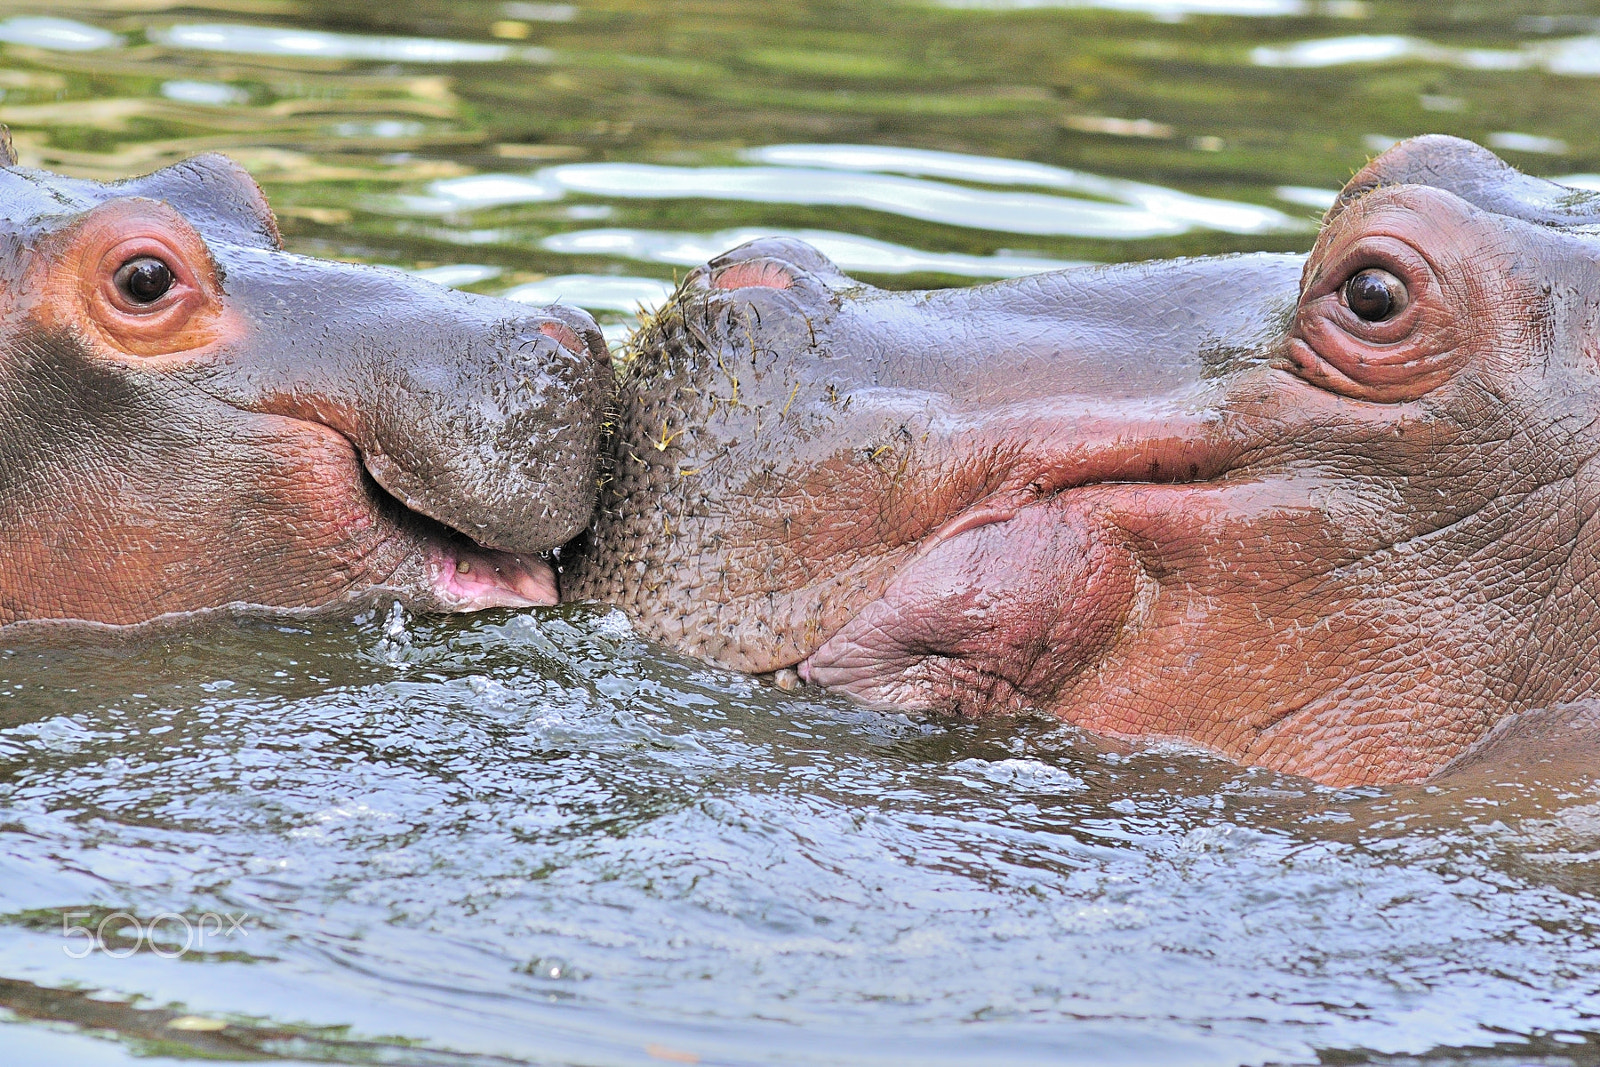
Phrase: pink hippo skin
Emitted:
{"points": [[1330, 514], [191, 417]]}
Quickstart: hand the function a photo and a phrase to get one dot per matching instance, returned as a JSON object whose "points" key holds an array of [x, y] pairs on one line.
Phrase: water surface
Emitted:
{"points": [[534, 838]]}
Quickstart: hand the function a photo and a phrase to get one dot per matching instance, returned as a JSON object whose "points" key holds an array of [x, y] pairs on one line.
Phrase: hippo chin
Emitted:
{"points": [[191, 417], [1331, 514]]}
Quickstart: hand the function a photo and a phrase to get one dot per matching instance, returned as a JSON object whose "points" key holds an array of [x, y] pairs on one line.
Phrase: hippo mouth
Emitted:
{"points": [[432, 564]]}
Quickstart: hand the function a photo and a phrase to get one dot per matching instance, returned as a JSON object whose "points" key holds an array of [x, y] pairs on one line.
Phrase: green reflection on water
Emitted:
{"points": [[609, 805], [1175, 103]]}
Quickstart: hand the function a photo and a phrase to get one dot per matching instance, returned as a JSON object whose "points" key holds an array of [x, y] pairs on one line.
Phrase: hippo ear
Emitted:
{"points": [[8, 151], [1477, 176]]}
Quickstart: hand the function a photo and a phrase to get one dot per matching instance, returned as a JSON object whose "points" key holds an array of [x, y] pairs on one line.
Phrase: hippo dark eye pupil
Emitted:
{"points": [[144, 280], [1374, 294]]}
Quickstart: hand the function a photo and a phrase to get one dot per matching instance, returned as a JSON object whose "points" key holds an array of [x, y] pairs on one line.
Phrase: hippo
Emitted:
{"points": [[1335, 514], [192, 418]]}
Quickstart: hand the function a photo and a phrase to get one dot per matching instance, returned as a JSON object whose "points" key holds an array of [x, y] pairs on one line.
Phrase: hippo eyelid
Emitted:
{"points": [[80, 275], [1407, 339]]}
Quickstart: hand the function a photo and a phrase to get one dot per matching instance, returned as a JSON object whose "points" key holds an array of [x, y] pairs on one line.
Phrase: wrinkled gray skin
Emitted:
{"points": [[1203, 499], [274, 430]]}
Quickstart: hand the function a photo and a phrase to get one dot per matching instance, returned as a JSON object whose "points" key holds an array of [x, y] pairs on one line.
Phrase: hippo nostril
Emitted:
{"points": [[785, 253], [575, 330], [563, 335], [753, 275]]}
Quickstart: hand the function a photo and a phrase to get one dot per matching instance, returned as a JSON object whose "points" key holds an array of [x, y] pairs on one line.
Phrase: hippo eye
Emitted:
{"points": [[144, 280], [1374, 295]]}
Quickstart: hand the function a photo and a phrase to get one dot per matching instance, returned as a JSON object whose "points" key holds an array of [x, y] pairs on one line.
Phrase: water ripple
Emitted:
{"points": [[594, 292], [849, 251], [1228, 216], [1176, 10], [1575, 56], [317, 44], [55, 34], [850, 176]]}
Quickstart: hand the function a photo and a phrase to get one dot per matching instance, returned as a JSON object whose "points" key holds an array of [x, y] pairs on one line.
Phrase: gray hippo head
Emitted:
{"points": [[1335, 514], [191, 417]]}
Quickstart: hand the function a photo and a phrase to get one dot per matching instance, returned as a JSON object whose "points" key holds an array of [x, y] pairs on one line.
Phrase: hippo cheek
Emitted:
{"points": [[1000, 616]]}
